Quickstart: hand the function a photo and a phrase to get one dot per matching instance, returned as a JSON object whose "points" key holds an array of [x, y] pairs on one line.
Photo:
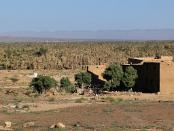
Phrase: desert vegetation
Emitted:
{"points": [[129, 77], [73, 55], [113, 74], [72, 112], [119, 79], [83, 79], [60, 97], [66, 85], [42, 83]]}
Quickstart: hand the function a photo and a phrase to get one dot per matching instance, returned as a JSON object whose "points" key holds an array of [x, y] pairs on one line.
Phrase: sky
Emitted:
{"points": [[92, 15]]}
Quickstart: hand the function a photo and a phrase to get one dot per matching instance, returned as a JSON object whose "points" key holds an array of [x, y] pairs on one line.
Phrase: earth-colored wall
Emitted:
{"points": [[151, 77], [167, 78], [148, 77]]}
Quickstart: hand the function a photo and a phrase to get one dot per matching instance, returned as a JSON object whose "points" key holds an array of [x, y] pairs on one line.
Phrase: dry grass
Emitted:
{"points": [[73, 55]]}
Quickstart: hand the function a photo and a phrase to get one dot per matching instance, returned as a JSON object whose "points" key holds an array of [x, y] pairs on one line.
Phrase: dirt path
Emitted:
{"points": [[38, 107]]}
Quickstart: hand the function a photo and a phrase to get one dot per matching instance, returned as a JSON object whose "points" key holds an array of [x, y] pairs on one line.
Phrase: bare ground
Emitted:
{"points": [[109, 112], [101, 117]]}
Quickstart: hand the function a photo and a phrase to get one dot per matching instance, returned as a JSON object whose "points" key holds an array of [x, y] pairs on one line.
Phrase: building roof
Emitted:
{"points": [[97, 70], [141, 60]]}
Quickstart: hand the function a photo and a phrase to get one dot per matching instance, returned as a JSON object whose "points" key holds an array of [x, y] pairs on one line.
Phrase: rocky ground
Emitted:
{"points": [[20, 110]]}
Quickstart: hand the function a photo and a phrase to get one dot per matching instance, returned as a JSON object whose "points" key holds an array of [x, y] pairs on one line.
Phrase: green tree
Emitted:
{"points": [[113, 74], [83, 79], [43, 83], [64, 82], [41, 51], [129, 78], [67, 85]]}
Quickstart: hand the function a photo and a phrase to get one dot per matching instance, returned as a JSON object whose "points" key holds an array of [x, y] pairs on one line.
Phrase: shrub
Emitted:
{"points": [[113, 74], [43, 83], [70, 89], [110, 86], [129, 78], [67, 85], [14, 79], [83, 79], [64, 82], [113, 100], [157, 55], [107, 86], [80, 100], [41, 51]]}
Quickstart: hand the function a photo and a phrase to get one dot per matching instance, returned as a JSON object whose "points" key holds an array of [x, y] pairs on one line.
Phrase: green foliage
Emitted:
{"points": [[43, 83], [110, 85], [83, 79], [107, 86], [130, 76], [14, 79], [110, 99], [113, 100], [70, 89], [76, 55], [41, 51], [64, 82], [67, 85], [113, 74], [8, 52]]}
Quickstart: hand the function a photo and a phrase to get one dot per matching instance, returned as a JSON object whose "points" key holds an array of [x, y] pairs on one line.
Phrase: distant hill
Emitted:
{"points": [[161, 34]]}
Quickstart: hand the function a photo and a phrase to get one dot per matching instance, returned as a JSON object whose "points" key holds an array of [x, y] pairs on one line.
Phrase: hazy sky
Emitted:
{"points": [[44, 15]]}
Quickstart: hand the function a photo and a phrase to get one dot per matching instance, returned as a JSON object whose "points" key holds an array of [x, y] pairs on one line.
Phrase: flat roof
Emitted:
{"points": [[153, 59], [97, 70]]}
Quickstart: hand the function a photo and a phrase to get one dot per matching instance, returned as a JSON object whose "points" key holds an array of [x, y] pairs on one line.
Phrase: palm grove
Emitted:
{"points": [[116, 79]]}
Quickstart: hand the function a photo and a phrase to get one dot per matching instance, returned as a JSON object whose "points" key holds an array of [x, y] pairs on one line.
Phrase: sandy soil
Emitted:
{"points": [[24, 77], [115, 111], [108, 112], [101, 117]]}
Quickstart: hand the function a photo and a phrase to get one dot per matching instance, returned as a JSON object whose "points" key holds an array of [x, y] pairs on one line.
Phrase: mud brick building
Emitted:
{"points": [[155, 74]]}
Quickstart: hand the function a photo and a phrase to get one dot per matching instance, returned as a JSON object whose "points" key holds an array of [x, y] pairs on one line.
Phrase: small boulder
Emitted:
{"points": [[28, 124], [91, 92], [80, 91], [53, 126], [60, 125], [77, 124], [12, 105], [19, 106], [8, 124], [5, 129]]}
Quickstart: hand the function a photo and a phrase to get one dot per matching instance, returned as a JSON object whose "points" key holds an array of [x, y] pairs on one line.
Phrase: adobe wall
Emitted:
{"points": [[134, 61], [167, 78], [148, 77], [97, 70], [151, 78]]}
